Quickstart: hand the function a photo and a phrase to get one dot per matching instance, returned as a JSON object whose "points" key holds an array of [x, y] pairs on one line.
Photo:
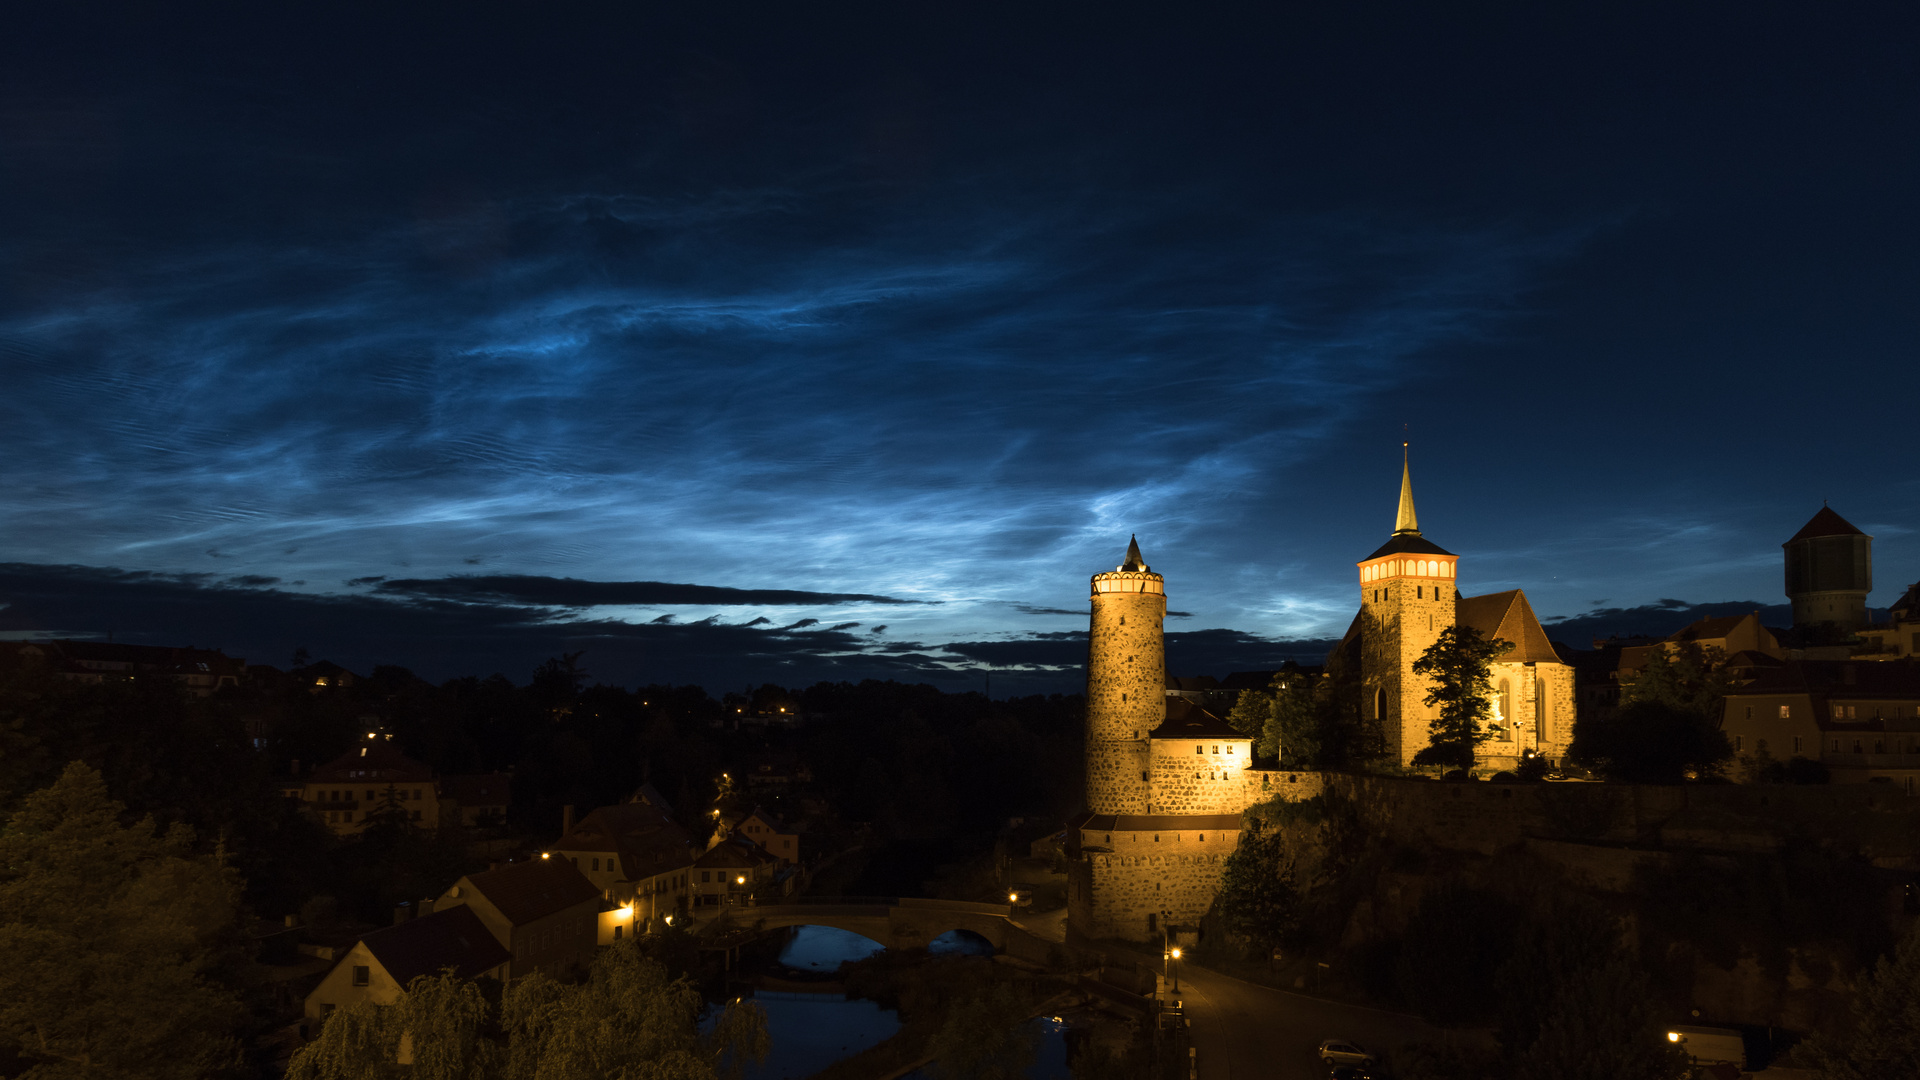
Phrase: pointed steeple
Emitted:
{"points": [[1408, 523], [1134, 561]]}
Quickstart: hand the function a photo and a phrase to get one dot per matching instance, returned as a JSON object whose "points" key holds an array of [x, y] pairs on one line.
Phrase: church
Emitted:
{"points": [[1167, 781]]}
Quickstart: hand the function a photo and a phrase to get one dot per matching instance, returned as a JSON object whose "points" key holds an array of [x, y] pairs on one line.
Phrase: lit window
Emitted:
{"points": [[1786, 712]]}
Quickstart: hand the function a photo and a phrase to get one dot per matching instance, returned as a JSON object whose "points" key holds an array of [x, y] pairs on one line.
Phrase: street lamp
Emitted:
{"points": [[1175, 953]]}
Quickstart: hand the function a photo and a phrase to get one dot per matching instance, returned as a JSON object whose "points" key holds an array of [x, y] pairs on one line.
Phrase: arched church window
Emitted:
{"points": [[1505, 705], [1380, 703], [1542, 727]]}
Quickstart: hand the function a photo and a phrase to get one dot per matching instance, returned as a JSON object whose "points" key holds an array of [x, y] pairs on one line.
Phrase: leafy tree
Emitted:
{"points": [[1601, 1026], [985, 1037], [1258, 897], [117, 940], [629, 1019], [1682, 675], [1306, 721], [1885, 1041], [1650, 742], [1459, 663], [438, 1030]]}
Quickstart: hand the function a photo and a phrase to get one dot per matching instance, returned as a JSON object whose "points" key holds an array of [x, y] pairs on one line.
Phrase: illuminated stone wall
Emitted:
{"points": [[1401, 617], [1528, 685], [1126, 687], [1172, 875]]}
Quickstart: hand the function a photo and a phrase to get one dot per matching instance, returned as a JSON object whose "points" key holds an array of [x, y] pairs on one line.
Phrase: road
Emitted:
{"points": [[1243, 1031]]}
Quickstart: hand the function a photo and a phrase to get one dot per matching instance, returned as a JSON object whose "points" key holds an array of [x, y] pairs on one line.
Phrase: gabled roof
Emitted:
{"points": [[372, 760], [455, 938], [1825, 523], [734, 852], [529, 891], [1187, 720], [1508, 615], [1407, 544]]}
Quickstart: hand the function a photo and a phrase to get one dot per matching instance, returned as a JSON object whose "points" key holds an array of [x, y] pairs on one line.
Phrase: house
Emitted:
{"points": [[634, 853], [476, 798], [324, 675], [200, 671], [364, 780], [380, 965], [1898, 637], [543, 911], [1860, 720], [735, 872], [762, 828]]}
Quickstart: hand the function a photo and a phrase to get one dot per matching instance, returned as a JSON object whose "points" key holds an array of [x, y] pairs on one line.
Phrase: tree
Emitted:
{"points": [[1552, 950], [117, 939], [1683, 675], [985, 1036], [1458, 662], [1650, 741], [1306, 721], [1601, 1026], [629, 1018], [1885, 1040], [1258, 897]]}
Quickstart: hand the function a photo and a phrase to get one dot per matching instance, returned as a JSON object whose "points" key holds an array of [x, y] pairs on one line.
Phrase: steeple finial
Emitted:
{"points": [[1134, 561], [1407, 523]]}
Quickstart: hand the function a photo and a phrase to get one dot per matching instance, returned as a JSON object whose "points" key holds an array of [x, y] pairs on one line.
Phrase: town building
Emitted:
{"points": [[1860, 720], [374, 777], [635, 853], [1899, 636], [380, 966], [543, 911], [201, 672], [736, 872], [759, 827], [476, 799]]}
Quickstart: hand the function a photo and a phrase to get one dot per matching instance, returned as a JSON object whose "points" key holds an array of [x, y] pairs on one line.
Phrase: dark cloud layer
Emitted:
{"points": [[572, 593]]}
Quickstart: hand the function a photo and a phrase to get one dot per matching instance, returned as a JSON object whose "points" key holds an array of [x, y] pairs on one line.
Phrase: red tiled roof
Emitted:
{"points": [[455, 938], [1507, 615], [1187, 720], [529, 891]]}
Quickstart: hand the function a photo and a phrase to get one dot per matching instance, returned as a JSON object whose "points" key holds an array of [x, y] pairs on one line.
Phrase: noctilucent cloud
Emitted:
{"points": [[765, 344]]}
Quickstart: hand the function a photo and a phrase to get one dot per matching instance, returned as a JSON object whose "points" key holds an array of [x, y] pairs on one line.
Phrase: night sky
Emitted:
{"points": [[446, 339]]}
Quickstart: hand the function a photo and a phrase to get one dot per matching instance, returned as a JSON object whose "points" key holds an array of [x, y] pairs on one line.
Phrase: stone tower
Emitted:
{"points": [[1126, 683], [1829, 572], [1408, 590]]}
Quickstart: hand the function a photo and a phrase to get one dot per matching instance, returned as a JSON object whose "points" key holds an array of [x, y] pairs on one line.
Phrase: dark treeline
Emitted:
{"points": [[904, 761]]}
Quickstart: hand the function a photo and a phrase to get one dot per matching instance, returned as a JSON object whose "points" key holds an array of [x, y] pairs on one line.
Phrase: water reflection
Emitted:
{"points": [[1049, 1057], [960, 943], [824, 949], [812, 1031]]}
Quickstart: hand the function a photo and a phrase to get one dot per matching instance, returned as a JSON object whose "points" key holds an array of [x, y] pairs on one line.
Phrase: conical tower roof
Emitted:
{"points": [[1134, 561], [1826, 523], [1406, 523]]}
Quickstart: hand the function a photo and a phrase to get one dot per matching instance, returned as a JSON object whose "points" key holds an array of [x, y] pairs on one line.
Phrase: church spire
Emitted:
{"points": [[1408, 523], [1134, 561]]}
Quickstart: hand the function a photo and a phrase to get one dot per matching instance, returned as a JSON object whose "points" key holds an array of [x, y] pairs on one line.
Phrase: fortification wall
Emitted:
{"points": [[1149, 880]]}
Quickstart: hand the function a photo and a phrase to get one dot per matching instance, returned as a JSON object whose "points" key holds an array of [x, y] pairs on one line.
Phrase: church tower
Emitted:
{"points": [[1126, 683], [1829, 572], [1408, 590]]}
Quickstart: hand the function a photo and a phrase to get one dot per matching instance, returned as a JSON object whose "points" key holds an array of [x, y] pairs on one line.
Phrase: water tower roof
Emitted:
{"points": [[1826, 523]]}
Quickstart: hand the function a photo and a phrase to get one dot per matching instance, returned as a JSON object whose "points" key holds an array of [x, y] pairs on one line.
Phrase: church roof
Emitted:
{"points": [[1407, 544], [1186, 720], [1825, 523], [1508, 615]]}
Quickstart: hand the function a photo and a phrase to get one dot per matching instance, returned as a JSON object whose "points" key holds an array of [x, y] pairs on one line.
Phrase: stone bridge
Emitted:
{"points": [[895, 922]]}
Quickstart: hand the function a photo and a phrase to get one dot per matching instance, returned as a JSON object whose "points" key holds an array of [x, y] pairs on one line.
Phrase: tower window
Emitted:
{"points": [[1419, 592], [1199, 749]]}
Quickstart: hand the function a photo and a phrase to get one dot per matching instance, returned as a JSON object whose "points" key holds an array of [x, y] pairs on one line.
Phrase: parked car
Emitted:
{"points": [[1342, 1052]]}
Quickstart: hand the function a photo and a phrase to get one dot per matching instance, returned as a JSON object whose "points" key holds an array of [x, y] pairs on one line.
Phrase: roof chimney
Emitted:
{"points": [[566, 819]]}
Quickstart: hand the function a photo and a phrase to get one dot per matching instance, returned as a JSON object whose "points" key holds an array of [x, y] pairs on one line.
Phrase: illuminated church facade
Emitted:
{"points": [[1167, 781]]}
